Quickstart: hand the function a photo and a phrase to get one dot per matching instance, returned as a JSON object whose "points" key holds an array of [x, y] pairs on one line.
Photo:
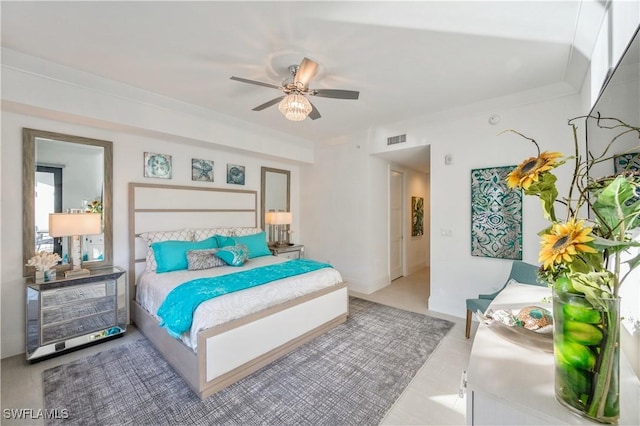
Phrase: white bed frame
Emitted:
{"points": [[230, 351]]}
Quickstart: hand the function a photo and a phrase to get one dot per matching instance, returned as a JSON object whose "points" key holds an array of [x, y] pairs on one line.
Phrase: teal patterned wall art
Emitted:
{"points": [[629, 161], [496, 214]]}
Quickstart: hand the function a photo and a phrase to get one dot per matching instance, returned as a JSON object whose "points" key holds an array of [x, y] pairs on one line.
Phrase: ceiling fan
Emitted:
{"points": [[294, 103]]}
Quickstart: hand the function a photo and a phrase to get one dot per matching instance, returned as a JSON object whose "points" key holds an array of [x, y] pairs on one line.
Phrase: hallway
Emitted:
{"points": [[410, 293]]}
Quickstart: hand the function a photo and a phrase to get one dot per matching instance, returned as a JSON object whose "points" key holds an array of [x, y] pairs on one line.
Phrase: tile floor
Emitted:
{"points": [[430, 399]]}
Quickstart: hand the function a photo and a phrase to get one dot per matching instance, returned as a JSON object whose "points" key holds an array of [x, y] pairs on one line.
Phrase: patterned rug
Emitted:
{"points": [[349, 376]]}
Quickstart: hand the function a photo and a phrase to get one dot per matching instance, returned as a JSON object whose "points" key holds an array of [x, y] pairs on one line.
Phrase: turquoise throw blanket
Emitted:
{"points": [[176, 312]]}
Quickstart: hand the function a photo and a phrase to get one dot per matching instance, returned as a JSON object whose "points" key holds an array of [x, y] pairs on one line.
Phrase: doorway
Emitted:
{"points": [[48, 199], [396, 225]]}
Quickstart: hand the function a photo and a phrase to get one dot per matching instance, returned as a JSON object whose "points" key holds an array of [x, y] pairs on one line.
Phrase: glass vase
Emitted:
{"points": [[586, 348]]}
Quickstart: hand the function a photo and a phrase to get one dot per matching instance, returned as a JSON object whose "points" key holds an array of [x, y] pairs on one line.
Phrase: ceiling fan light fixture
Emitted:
{"points": [[295, 107]]}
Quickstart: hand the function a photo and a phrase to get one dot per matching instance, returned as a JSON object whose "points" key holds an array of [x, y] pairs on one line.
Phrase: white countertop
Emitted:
{"points": [[524, 377]]}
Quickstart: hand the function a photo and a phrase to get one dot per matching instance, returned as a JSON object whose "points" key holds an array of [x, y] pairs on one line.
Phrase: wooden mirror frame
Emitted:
{"points": [[263, 192], [28, 195]]}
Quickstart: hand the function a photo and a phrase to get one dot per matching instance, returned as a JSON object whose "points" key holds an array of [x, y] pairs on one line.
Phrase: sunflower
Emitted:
{"points": [[529, 171], [95, 207], [564, 241]]}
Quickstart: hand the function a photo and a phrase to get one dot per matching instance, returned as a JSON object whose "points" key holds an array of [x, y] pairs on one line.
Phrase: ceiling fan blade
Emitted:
{"points": [[268, 104], [306, 71], [314, 114], [336, 93], [259, 83]]}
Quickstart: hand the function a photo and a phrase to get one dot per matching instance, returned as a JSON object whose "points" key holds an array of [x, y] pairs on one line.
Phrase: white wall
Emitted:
{"points": [[336, 209], [359, 219]]}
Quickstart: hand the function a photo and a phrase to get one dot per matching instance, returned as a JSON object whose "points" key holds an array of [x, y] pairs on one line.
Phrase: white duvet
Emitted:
{"points": [[152, 289]]}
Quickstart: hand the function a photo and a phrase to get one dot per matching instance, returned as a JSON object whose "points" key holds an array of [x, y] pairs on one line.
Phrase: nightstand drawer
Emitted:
{"points": [[294, 251], [290, 255]]}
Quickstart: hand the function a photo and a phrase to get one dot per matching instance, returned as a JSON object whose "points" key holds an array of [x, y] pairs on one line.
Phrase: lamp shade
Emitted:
{"points": [[295, 107], [68, 224], [279, 218]]}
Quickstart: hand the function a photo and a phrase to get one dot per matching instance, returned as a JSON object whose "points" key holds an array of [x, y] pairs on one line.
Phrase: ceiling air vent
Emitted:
{"points": [[396, 139]]}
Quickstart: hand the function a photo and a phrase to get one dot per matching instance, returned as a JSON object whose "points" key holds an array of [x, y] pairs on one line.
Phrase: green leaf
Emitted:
{"points": [[634, 262], [617, 205], [613, 246], [594, 285], [546, 189]]}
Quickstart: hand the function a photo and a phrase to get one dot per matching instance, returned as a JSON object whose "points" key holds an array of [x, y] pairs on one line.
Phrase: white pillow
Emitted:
{"points": [[158, 236], [241, 232], [204, 233]]}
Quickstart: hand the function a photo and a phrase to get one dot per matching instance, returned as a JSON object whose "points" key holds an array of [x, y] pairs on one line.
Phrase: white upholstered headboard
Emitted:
{"points": [[154, 207]]}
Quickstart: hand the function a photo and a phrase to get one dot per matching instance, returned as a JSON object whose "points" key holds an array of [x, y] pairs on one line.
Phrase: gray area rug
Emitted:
{"points": [[351, 375]]}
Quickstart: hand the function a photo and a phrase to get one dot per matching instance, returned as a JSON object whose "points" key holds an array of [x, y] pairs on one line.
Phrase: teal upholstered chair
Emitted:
{"points": [[522, 272]]}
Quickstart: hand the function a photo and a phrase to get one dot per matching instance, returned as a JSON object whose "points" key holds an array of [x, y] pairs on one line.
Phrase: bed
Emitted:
{"points": [[234, 334]]}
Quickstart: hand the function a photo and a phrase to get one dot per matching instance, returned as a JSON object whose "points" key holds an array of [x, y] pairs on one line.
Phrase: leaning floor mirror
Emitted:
{"points": [[275, 197], [66, 173]]}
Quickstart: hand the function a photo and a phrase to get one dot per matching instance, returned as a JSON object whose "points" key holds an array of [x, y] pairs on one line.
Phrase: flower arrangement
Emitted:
{"points": [[43, 261], [95, 206], [584, 249], [583, 259]]}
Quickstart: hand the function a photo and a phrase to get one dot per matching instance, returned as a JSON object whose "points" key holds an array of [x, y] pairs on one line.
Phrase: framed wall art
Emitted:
{"points": [[235, 174], [201, 170], [629, 161], [496, 214], [417, 216], [157, 165]]}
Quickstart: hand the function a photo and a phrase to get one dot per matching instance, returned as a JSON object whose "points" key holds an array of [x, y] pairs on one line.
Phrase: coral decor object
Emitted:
{"points": [[44, 261]]}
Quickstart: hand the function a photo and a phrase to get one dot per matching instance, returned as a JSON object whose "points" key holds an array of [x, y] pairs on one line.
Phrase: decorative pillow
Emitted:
{"points": [[203, 259], [172, 255], [224, 241], [240, 232], [158, 236], [233, 255], [200, 234], [256, 244]]}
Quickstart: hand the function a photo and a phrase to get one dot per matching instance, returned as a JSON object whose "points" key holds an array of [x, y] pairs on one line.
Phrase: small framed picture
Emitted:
{"points": [[201, 170], [235, 174], [157, 165]]}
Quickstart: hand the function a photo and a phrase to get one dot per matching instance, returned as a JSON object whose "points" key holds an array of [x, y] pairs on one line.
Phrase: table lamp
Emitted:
{"points": [[75, 225], [280, 220]]}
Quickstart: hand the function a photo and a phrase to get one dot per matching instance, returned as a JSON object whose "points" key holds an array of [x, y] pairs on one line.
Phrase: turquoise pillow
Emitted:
{"points": [[224, 241], [233, 255], [172, 255], [256, 244]]}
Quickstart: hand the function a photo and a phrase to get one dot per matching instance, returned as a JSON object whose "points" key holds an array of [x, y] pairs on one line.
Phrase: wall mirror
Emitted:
{"points": [[63, 173], [275, 195]]}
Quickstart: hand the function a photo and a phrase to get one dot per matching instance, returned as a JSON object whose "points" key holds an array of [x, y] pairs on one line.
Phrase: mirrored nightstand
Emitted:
{"points": [[293, 251], [72, 312]]}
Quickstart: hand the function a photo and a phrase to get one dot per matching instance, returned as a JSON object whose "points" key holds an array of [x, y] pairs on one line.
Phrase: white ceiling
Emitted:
{"points": [[406, 59]]}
